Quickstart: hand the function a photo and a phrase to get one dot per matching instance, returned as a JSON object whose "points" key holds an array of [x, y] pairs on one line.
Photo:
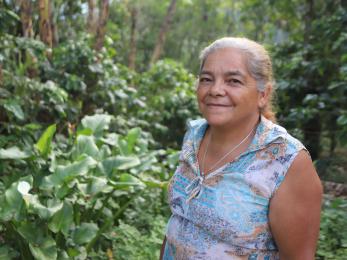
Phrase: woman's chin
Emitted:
{"points": [[218, 122]]}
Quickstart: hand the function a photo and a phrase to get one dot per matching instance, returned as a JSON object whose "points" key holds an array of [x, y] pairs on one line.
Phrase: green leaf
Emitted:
{"points": [[13, 153], [126, 181], [68, 173], [86, 145], [123, 146], [13, 203], [14, 107], [96, 185], [44, 251], [111, 139], [43, 211], [5, 253], [119, 163], [41, 246], [85, 233], [44, 143], [98, 123], [62, 219], [132, 137], [342, 120]]}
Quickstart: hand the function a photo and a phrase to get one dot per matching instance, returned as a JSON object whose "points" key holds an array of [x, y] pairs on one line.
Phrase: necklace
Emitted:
{"points": [[224, 156]]}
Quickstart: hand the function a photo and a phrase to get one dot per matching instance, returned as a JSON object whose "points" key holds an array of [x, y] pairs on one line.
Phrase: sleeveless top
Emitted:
{"points": [[225, 214]]}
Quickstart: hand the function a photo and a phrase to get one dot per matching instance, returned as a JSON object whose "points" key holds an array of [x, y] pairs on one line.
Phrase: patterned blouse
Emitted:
{"points": [[225, 215]]}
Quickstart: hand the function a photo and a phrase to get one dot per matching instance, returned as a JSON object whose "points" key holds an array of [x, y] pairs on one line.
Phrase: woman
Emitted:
{"points": [[244, 188]]}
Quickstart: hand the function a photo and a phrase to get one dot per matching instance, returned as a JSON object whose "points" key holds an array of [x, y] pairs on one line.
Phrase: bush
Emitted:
{"points": [[62, 201], [332, 242]]}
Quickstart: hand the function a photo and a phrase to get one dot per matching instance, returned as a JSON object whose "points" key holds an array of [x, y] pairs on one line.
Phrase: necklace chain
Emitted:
{"points": [[225, 155]]}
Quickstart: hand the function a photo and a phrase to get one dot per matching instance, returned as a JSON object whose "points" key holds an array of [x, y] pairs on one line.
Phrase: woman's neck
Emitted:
{"points": [[232, 135]]}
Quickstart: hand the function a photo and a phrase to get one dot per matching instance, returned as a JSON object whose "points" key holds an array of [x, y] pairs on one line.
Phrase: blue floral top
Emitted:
{"points": [[225, 215]]}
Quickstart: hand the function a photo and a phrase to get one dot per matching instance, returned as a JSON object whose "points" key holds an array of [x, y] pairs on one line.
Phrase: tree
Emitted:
{"points": [[92, 15], [53, 23], [45, 24], [26, 18], [101, 29], [163, 31], [132, 53]]}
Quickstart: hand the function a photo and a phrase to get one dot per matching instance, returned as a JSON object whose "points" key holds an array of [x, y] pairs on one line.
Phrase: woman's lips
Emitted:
{"points": [[217, 105]]}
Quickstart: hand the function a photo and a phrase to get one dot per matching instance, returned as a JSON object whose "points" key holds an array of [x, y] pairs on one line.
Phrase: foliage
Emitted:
{"points": [[65, 201], [169, 93], [131, 244], [311, 89], [332, 242], [76, 182]]}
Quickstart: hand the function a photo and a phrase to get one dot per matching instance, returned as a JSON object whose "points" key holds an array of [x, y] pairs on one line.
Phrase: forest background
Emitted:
{"points": [[94, 98]]}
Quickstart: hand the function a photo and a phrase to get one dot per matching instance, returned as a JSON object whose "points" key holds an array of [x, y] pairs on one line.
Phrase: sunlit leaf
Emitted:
{"points": [[68, 173], [86, 145], [119, 163], [98, 123], [14, 107], [44, 143], [13, 153]]}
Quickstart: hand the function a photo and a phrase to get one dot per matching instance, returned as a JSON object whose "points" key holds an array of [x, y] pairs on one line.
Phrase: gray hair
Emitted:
{"points": [[258, 60]]}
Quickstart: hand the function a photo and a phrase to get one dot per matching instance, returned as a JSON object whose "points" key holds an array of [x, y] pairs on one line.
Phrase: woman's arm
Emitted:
{"points": [[162, 249], [295, 211]]}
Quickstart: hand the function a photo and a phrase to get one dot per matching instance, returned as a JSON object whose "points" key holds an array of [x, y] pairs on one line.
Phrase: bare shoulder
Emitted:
{"points": [[295, 210], [302, 178]]}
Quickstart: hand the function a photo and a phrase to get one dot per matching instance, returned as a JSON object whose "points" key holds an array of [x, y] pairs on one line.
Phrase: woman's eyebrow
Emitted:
{"points": [[234, 73], [205, 72]]}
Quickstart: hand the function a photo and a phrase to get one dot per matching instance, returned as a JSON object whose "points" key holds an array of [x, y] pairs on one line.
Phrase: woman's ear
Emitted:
{"points": [[263, 97]]}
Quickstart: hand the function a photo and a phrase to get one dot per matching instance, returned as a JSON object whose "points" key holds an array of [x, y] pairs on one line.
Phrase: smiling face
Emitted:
{"points": [[227, 94]]}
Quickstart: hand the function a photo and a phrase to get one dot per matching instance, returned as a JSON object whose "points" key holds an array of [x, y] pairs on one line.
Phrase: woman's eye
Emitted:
{"points": [[234, 81], [205, 80]]}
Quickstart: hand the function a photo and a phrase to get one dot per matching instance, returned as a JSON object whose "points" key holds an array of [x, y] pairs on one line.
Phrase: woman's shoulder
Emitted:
{"points": [[278, 134]]}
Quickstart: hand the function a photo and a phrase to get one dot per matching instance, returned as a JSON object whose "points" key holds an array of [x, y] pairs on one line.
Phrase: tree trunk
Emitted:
{"points": [[1, 75], [54, 27], [132, 54], [92, 14], [308, 18], [45, 25], [163, 31], [312, 127], [101, 30], [26, 18]]}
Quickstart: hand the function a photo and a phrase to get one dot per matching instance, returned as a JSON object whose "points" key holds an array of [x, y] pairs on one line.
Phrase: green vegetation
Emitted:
{"points": [[89, 133]]}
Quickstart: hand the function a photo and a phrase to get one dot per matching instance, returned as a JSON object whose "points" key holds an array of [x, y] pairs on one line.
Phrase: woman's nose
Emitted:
{"points": [[217, 88]]}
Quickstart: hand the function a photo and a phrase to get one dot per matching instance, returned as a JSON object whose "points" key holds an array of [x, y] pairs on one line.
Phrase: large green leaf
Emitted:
{"points": [[86, 145], [96, 185], [14, 107], [13, 203], [13, 153], [44, 143], [98, 123], [132, 137], [111, 139], [43, 211], [42, 247], [119, 163], [5, 253], [68, 173], [85, 233], [62, 220], [47, 250], [127, 181]]}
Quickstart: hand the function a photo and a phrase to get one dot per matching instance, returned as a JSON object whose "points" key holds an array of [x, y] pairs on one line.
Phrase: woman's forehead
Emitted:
{"points": [[228, 61]]}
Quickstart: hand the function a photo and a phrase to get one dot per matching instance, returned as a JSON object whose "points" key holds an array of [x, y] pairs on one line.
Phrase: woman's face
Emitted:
{"points": [[227, 94]]}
